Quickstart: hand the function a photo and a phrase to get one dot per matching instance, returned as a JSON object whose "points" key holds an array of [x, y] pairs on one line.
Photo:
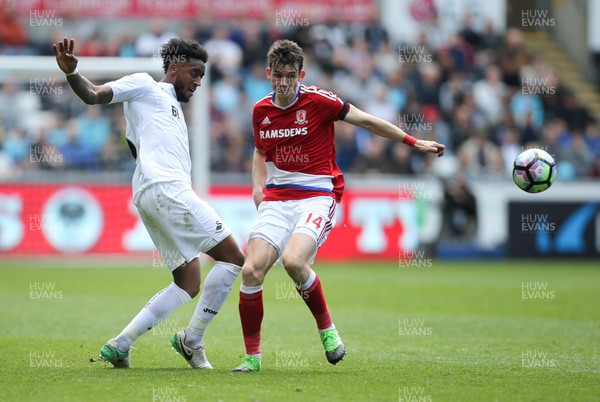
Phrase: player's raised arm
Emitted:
{"points": [[259, 176], [91, 94], [386, 129]]}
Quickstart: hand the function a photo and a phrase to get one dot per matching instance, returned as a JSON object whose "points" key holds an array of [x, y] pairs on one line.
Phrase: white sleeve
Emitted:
{"points": [[129, 87]]}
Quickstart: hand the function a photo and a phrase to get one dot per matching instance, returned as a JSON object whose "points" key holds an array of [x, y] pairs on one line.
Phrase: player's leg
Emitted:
{"points": [[186, 276], [260, 257], [315, 220], [204, 232], [159, 307], [228, 258]]}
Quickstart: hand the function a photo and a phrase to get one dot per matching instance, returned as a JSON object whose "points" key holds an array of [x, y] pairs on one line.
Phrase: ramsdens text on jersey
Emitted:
{"points": [[283, 132]]}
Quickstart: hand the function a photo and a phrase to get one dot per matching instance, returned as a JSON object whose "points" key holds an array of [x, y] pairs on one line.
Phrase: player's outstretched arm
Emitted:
{"points": [[386, 129], [67, 62], [259, 176]]}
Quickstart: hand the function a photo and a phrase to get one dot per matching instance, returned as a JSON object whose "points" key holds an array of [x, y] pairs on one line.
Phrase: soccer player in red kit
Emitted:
{"points": [[296, 187]]}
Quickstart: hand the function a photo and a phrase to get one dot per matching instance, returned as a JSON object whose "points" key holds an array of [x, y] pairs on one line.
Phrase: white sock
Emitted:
{"points": [[217, 287], [249, 290], [327, 329], [159, 307], [309, 281]]}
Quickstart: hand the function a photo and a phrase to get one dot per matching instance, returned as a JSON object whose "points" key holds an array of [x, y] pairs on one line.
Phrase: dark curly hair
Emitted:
{"points": [[285, 52], [178, 50]]}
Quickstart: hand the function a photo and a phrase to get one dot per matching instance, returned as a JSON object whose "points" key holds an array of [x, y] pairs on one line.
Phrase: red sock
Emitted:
{"points": [[251, 315], [315, 300]]}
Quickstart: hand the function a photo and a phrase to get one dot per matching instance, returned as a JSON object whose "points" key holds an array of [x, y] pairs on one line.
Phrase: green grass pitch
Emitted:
{"points": [[473, 331]]}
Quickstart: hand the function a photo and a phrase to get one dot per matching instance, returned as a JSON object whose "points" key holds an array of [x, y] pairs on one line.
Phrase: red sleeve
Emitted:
{"points": [[255, 128], [330, 104]]}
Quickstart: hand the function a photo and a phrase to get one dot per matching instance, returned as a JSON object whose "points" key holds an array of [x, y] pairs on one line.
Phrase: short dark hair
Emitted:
{"points": [[285, 52], [178, 50]]}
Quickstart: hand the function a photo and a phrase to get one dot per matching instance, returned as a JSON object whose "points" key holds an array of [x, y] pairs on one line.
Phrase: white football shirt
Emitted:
{"points": [[156, 127]]}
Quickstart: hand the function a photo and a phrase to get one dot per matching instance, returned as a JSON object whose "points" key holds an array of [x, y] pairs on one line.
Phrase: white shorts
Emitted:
{"points": [[277, 221], [180, 224]]}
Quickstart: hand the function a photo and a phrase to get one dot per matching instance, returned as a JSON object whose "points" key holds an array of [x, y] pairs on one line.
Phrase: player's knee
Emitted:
{"points": [[251, 276], [292, 263], [192, 289], [238, 259]]}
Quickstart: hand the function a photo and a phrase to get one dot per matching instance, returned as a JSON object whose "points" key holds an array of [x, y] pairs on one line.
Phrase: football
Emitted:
{"points": [[534, 170]]}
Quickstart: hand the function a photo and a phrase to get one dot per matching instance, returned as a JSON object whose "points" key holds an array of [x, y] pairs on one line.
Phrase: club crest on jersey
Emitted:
{"points": [[301, 117]]}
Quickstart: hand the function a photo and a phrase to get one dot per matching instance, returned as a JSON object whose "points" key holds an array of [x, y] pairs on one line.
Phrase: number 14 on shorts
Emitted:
{"points": [[312, 221]]}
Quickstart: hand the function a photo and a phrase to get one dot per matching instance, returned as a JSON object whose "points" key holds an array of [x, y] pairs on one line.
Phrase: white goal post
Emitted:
{"points": [[23, 68]]}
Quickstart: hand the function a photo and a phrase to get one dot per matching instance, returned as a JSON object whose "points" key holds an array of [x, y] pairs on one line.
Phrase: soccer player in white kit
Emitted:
{"points": [[297, 186], [180, 224]]}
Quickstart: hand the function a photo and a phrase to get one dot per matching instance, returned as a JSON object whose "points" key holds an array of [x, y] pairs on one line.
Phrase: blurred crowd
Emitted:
{"points": [[477, 91]]}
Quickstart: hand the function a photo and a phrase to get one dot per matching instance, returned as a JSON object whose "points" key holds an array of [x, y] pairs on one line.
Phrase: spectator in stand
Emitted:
{"points": [[75, 26], [345, 146], [483, 155], [469, 33], [427, 87], [378, 106], [126, 44], [386, 62], [595, 172], [510, 147], [359, 54], [16, 145], [399, 89], [579, 155], [437, 38], [94, 127], [557, 92], [374, 32], [225, 55], [549, 139], [460, 207], [227, 94], [490, 40], [511, 57], [461, 127], [254, 44], [18, 103], [490, 93], [149, 43], [373, 160], [461, 53], [76, 153], [325, 53], [235, 158], [527, 107], [57, 131], [452, 91], [111, 155], [591, 137], [400, 160], [358, 86], [43, 155], [576, 116], [94, 46], [255, 84]]}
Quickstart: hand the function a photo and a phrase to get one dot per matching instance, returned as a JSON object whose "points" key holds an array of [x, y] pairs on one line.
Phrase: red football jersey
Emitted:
{"points": [[298, 142]]}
